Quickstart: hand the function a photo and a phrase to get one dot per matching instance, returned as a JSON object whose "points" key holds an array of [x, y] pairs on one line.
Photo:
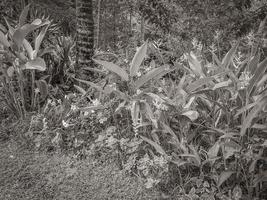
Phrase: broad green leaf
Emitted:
{"points": [[38, 64], [218, 62], [113, 68], [39, 39], [150, 115], [28, 48], [199, 83], [23, 15], [80, 89], [150, 75], [138, 59], [43, 88], [191, 114], [158, 148], [195, 64], [222, 84], [214, 150], [91, 84], [194, 159], [253, 63], [251, 115], [262, 81], [230, 148], [259, 73], [92, 108], [135, 111], [246, 108], [3, 39], [11, 30], [223, 177], [21, 32], [228, 58]]}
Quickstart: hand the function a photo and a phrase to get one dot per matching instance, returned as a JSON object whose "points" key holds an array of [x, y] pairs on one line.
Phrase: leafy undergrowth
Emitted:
{"points": [[28, 174]]}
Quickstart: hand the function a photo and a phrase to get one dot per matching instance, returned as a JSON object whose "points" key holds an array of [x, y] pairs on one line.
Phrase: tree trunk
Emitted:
{"points": [[85, 34], [98, 23]]}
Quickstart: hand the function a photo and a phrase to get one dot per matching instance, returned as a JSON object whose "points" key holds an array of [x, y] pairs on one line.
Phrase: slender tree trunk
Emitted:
{"points": [[85, 34], [98, 23], [142, 29]]}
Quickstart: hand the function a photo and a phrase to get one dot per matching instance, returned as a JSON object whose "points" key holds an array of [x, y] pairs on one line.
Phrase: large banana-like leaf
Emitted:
{"points": [[259, 73], [39, 39], [252, 115], [138, 59], [91, 84], [37, 63], [150, 75], [28, 48], [23, 15], [158, 148], [135, 111], [3, 39], [228, 58], [113, 68], [21, 32], [195, 64]]}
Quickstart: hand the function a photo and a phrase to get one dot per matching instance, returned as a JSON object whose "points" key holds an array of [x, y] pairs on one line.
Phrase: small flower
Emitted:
{"points": [[102, 120], [138, 74], [160, 89], [65, 124], [36, 90], [138, 91], [96, 102], [74, 107], [86, 113]]}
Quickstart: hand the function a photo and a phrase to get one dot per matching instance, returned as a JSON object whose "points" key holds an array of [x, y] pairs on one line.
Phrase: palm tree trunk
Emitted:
{"points": [[85, 34]]}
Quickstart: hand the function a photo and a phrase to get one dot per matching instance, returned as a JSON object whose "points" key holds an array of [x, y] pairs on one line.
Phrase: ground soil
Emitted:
{"points": [[29, 175]]}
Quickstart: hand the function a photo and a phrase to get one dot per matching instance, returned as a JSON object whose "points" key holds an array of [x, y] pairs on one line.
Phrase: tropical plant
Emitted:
{"points": [[18, 59]]}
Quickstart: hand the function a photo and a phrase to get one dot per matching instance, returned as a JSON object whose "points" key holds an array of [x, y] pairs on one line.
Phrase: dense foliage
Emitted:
{"points": [[178, 95]]}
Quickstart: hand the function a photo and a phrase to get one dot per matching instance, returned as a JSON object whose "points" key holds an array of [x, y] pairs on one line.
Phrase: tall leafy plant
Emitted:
{"points": [[18, 57]]}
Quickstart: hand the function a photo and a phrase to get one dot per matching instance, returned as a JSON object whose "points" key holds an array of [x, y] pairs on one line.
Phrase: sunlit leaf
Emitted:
{"points": [[23, 15], [195, 64], [251, 115], [222, 84], [43, 88], [253, 63], [39, 39], [80, 89], [214, 150], [138, 59], [191, 114], [150, 114], [21, 32], [224, 176], [150, 75], [199, 83], [38, 64], [114, 68], [228, 58], [135, 111], [158, 148], [259, 73], [3, 39], [91, 84], [28, 48]]}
